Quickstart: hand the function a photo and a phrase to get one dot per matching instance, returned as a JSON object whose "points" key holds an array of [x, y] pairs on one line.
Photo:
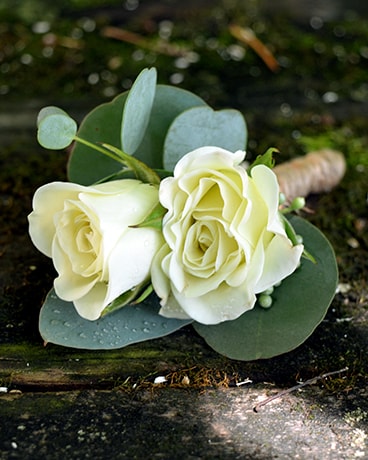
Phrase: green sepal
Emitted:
{"points": [[307, 255], [121, 301], [291, 234], [154, 219], [146, 293], [264, 159]]}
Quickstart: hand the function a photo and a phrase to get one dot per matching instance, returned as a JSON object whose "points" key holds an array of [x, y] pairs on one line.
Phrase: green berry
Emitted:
{"points": [[265, 301], [298, 203], [299, 239], [282, 198]]}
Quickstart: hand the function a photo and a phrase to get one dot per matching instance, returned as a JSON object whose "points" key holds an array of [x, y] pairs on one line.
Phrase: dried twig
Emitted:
{"points": [[247, 36], [297, 387], [316, 172], [159, 46]]}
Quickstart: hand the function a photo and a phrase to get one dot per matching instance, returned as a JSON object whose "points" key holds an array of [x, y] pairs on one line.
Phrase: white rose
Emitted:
{"points": [[225, 240], [88, 233]]}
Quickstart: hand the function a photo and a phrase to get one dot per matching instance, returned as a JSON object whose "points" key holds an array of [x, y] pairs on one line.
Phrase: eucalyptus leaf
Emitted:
{"points": [[169, 102], [103, 125], [137, 110], [299, 305], [56, 129], [202, 126], [59, 323]]}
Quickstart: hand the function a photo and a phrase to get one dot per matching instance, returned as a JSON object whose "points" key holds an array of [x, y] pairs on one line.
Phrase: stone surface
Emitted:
{"points": [[175, 424]]}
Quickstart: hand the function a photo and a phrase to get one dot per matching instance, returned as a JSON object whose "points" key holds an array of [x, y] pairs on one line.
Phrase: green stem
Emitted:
{"points": [[110, 154]]}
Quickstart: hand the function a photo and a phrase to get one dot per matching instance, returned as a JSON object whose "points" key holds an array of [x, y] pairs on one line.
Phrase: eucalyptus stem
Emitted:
{"points": [[106, 152]]}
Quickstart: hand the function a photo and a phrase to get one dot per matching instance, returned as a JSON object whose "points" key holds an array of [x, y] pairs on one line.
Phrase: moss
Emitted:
{"points": [[15, 405]]}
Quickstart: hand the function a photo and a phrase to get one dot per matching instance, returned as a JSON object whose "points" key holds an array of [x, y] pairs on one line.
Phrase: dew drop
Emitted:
{"points": [[134, 329], [82, 335], [54, 322], [146, 329], [66, 324], [56, 311]]}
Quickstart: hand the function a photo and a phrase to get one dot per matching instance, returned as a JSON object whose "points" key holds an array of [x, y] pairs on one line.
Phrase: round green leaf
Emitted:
{"points": [[168, 104], [103, 125], [201, 126], [56, 130], [59, 323], [299, 305], [137, 110]]}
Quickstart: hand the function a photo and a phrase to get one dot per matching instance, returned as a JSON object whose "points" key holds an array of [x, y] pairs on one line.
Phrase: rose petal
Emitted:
{"points": [[208, 157], [91, 305], [47, 201], [69, 285], [281, 259], [222, 304], [171, 309], [115, 211], [130, 262]]}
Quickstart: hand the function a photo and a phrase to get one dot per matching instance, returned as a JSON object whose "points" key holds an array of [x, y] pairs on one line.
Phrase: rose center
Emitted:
{"points": [[81, 240], [85, 235], [208, 249]]}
